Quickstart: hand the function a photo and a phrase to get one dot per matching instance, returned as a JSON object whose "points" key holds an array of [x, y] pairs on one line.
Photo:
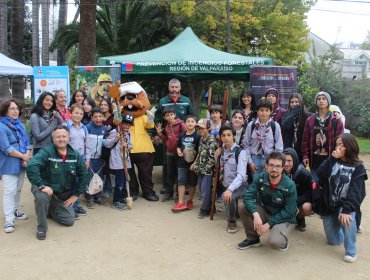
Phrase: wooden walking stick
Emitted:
{"points": [[217, 173], [129, 199]]}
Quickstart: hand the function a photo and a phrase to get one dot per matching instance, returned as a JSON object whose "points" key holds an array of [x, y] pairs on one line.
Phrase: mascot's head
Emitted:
{"points": [[100, 91], [132, 98]]}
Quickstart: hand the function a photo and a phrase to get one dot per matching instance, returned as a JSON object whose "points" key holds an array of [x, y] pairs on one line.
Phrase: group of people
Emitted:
{"points": [[283, 164]]}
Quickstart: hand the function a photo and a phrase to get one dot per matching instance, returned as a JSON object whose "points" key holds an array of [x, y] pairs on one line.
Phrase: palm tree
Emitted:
{"points": [[62, 21], [126, 27], [17, 44], [35, 33], [87, 34], [45, 7], [4, 87]]}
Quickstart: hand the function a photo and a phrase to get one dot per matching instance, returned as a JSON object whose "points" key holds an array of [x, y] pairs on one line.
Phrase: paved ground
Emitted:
{"points": [[150, 242]]}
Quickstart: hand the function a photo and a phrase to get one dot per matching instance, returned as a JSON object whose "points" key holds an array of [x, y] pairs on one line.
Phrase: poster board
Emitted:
{"points": [[51, 79], [283, 78]]}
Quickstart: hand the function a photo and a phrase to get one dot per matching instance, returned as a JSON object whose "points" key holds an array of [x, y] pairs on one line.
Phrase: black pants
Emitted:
{"points": [[144, 164]]}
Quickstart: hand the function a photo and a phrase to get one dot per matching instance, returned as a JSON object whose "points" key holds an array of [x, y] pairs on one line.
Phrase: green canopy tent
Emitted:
{"points": [[186, 58]]}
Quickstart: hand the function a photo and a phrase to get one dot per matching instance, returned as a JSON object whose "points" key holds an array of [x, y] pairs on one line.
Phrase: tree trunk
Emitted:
{"points": [[35, 33], [62, 21], [45, 7], [4, 82], [87, 36], [17, 44]]}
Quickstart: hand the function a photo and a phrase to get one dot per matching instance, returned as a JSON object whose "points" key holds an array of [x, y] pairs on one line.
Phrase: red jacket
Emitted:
{"points": [[172, 134]]}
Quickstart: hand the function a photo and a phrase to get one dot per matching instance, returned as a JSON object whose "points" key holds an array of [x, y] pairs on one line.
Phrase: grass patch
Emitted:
{"points": [[364, 144]]}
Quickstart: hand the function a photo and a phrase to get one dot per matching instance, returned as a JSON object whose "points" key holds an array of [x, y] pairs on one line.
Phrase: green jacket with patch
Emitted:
{"points": [[48, 168], [280, 203]]}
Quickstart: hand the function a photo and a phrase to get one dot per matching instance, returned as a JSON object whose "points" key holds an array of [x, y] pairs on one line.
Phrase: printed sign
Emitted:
{"points": [[51, 79]]}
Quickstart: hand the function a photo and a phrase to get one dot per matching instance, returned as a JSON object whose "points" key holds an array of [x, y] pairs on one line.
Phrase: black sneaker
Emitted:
{"points": [[80, 211], [249, 243], [203, 214], [301, 224], [166, 197], [40, 235]]}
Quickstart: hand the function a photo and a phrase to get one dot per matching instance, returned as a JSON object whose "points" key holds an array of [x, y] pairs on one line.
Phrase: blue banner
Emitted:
{"points": [[51, 79]]}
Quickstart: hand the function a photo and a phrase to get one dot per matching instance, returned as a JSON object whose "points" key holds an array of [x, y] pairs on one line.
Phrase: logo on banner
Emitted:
{"points": [[127, 67]]}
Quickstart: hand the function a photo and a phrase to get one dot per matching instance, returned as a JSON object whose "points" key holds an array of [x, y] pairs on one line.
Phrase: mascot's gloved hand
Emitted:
{"points": [[150, 115]]}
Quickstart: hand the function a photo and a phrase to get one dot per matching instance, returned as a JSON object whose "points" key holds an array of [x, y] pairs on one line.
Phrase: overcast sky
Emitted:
{"points": [[340, 20]]}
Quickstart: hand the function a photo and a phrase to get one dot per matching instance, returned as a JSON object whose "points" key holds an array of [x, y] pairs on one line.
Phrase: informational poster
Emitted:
{"points": [[283, 78], [51, 79], [93, 79]]}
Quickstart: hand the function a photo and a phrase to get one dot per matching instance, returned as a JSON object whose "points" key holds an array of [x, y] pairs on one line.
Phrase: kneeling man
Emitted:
{"points": [[58, 176], [270, 205]]}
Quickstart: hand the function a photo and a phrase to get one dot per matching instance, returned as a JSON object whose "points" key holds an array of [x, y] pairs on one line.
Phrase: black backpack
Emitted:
{"points": [[105, 152]]}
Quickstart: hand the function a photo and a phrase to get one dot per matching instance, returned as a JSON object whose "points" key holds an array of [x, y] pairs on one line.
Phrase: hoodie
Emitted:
{"points": [[349, 179], [172, 134], [301, 177], [277, 112]]}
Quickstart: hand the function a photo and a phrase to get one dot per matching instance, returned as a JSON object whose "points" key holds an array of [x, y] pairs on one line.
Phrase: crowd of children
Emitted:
{"points": [[193, 147]]}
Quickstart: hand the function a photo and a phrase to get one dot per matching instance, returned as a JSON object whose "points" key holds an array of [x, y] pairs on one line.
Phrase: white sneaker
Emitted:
{"points": [[360, 229], [9, 227], [20, 215], [350, 259]]}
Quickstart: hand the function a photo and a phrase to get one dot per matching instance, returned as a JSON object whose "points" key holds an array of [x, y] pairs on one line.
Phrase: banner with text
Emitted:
{"points": [[283, 78]]}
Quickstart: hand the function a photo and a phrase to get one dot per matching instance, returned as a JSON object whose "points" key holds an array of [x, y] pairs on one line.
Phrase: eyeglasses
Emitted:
{"points": [[13, 109], [273, 166]]}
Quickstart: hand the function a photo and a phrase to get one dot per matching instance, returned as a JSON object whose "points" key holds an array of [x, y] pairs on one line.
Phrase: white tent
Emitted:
{"points": [[10, 67]]}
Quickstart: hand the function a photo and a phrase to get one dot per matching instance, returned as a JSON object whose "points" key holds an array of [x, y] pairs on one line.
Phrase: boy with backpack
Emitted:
{"points": [[173, 130], [120, 143], [78, 136], [262, 136], [233, 174], [96, 131]]}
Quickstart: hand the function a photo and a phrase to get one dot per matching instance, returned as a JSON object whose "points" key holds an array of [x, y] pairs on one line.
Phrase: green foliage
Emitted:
{"points": [[366, 44], [364, 145], [322, 74], [358, 100]]}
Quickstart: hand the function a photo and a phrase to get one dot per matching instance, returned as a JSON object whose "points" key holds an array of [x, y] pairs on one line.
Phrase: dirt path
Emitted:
{"points": [[150, 242]]}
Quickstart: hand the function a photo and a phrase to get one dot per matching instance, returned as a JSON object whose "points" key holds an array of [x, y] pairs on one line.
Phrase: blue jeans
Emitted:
{"points": [[259, 161], [336, 233], [119, 193]]}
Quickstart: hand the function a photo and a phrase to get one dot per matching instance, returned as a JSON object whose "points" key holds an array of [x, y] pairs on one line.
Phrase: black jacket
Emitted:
{"points": [[356, 189], [301, 177], [287, 128]]}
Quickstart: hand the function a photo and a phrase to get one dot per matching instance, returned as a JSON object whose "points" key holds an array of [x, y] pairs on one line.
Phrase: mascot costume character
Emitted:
{"points": [[100, 90], [133, 100]]}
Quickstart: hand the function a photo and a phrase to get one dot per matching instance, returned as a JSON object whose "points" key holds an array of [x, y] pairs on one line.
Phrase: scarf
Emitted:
{"points": [[48, 117], [224, 159], [295, 139], [321, 129], [261, 137], [17, 128]]}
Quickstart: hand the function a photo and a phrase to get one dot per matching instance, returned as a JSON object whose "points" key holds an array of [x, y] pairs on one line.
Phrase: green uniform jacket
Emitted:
{"points": [[280, 203], [182, 107], [48, 168]]}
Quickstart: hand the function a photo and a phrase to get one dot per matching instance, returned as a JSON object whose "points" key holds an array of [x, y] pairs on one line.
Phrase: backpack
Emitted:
{"points": [[105, 151], [273, 128], [96, 184]]}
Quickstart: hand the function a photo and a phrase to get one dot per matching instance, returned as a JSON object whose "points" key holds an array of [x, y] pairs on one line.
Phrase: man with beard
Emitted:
{"points": [[182, 106], [269, 206]]}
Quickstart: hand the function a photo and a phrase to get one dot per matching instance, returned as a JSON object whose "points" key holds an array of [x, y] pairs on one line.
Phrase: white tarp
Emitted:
{"points": [[10, 67]]}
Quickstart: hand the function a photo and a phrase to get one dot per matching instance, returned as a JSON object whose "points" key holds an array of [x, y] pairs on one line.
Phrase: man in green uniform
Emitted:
{"points": [[182, 106], [58, 176], [270, 205]]}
